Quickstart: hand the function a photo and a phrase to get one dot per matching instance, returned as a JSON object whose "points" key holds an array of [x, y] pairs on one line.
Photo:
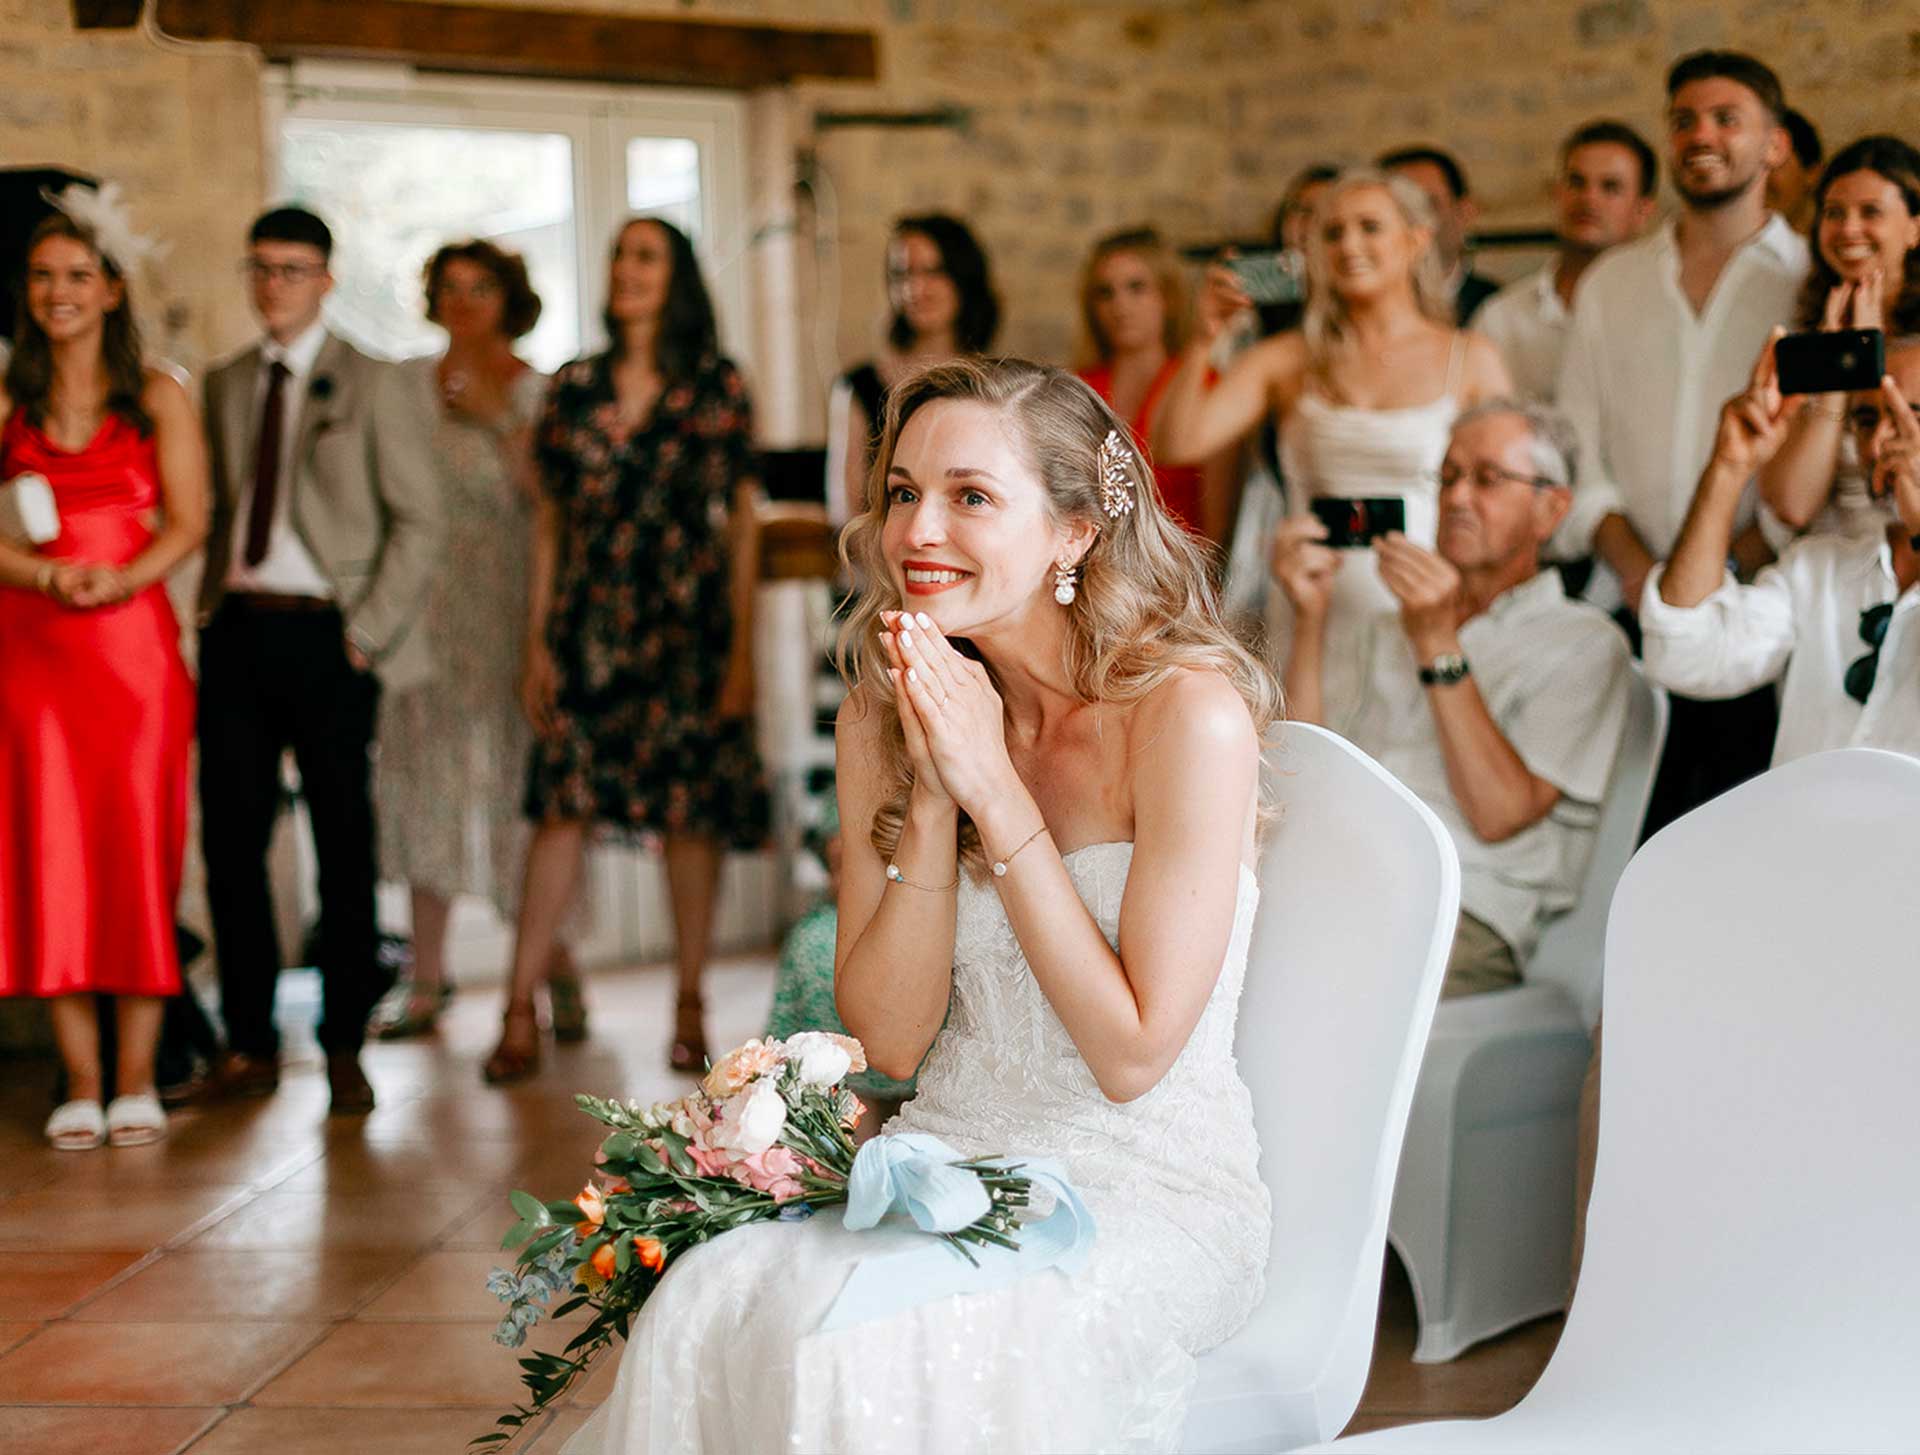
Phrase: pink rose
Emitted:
{"points": [[740, 1066], [709, 1161], [775, 1171]]}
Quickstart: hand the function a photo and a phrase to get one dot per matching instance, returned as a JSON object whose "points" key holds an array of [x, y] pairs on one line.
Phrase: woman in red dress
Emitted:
{"points": [[96, 708], [1134, 310]]}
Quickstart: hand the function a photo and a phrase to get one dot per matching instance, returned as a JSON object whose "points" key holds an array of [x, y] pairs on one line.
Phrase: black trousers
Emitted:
{"points": [[273, 679]]}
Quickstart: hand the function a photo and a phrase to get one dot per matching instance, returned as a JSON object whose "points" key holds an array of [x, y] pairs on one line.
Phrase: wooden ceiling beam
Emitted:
{"points": [[105, 14], [571, 45]]}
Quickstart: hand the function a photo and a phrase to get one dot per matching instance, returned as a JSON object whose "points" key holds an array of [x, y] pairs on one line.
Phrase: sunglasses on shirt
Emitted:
{"points": [[1862, 671]]}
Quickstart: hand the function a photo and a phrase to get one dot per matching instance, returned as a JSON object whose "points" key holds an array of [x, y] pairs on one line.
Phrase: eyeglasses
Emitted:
{"points": [[1487, 477], [1873, 631], [279, 272]]}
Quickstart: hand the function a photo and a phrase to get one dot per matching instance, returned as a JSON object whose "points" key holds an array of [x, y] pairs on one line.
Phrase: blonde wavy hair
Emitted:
{"points": [[1146, 606], [1326, 322]]}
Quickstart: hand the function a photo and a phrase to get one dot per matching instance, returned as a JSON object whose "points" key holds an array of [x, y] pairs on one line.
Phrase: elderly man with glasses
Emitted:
{"points": [[1834, 620], [1492, 696]]}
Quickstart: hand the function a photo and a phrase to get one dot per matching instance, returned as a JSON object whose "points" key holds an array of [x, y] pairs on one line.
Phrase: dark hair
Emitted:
{"points": [[965, 264], [30, 371], [1899, 163], [687, 332], [1757, 76], [521, 310], [292, 225], [1411, 156], [1310, 175], [1617, 133], [1806, 141]]}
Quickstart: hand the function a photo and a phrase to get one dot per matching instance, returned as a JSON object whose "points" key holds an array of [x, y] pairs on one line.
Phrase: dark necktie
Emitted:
{"points": [[266, 468]]}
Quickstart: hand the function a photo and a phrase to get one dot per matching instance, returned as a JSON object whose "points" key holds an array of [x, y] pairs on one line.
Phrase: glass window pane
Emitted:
{"points": [[663, 180], [394, 193]]}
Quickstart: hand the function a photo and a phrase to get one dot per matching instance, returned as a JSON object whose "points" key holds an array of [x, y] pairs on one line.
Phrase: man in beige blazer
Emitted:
{"points": [[326, 531]]}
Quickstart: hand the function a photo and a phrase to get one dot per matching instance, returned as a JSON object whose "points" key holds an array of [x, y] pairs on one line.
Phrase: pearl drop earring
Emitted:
{"points": [[1063, 577]]}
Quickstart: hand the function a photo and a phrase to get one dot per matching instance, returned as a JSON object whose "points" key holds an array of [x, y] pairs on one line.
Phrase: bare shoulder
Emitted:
{"points": [[857, 725], [1198, 711], [163, 394], [1486, 367]]}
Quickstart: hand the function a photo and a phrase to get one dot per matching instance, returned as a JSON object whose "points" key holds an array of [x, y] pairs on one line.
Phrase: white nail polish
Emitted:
{"points": [[906, 639], [912, 676], [925, 620]]}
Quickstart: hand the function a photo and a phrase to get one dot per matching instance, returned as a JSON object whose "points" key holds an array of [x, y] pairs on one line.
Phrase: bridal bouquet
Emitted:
{"points": [[768, 1134]]}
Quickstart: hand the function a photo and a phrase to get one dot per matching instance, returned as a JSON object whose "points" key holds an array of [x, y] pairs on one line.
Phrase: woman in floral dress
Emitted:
{"points": [[639, 674]]}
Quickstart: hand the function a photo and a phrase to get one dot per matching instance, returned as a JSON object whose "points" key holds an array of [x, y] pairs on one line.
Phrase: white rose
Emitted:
{"points": [[818, 1060], [751, 1121]]}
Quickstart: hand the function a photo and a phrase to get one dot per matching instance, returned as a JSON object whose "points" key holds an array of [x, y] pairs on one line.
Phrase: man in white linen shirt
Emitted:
{"points": [[1836, 620], [1489, 694], [1602, 197]]}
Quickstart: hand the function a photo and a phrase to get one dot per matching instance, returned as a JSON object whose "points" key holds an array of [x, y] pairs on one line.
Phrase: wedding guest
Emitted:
{"points": [[1076, 1002], [1790, 185], [1133, 311], [96, 708], [453, 751], [1365, 392], [1289, 232], [1492, 696], [639, 673], [1832, 624], [1444, 181], [1602, 197], [1663, 328], [327, 524], [1866, 274], [943, 307]]}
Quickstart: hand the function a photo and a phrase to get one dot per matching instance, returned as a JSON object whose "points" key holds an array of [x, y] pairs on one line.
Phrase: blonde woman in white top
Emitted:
{"points": [[1365, 391]]}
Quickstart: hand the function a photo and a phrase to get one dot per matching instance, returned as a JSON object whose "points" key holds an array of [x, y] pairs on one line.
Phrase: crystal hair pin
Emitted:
{"points": [[1116, 489]]}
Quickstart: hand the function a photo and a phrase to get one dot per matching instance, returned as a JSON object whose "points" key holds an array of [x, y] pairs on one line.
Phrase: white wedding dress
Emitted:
{"points": [[726, 1357]]}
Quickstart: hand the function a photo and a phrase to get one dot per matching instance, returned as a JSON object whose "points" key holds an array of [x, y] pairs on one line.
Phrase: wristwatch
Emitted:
{"points": [[1444, 670]]}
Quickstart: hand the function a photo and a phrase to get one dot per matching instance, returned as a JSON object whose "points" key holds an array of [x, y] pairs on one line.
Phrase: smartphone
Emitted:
{"points": [[1355, 521], [1270, 276], [1846, 362]]}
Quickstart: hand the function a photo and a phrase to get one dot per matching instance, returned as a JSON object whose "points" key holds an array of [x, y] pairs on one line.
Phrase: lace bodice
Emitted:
{"points": [[1004, 1076]]}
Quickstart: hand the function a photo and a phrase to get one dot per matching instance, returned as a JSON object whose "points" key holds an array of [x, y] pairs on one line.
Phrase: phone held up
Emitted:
{"points": [[1849, 361], [1355, 521], [1270, 276]]}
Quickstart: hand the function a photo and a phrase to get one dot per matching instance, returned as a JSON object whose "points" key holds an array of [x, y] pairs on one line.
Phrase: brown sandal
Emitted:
{"points": [[689, 1049], [510, 1062]]}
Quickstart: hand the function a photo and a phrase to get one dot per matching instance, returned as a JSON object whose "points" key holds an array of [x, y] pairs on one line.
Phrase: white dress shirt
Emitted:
{"points": [[1799, 624], [1555, 676], [288, 568], [1528, 323], [1644, 378]]}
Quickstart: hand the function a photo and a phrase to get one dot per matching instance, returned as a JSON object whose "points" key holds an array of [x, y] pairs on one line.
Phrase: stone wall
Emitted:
{"points": [[1082, 117]]}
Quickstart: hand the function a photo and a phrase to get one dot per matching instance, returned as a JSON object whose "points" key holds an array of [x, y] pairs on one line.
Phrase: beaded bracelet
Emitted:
{"points": [[894, 876], [1000, 865]]}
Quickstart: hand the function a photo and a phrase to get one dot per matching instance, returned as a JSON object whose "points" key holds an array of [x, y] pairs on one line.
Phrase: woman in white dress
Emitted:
{"points": [[1048, 775], [1365, 391], [453, 752]]}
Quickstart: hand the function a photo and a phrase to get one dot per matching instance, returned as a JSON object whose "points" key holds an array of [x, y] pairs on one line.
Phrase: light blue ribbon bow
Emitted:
{"points": [[914, 1174]]}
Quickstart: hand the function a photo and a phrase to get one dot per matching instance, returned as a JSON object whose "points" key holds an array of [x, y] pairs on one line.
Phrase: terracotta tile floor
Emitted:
{"points": [[265, 1281]]}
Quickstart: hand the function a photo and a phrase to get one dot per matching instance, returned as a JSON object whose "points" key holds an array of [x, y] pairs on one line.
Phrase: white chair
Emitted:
{"points": [[1483, 1206], [1749, 1282], [1360, 888]]}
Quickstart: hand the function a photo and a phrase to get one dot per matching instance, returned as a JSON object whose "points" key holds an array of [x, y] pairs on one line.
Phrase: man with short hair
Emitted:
{"points": [[1664, 329], [1492, 696], [1602, 197], [1790, 185], [1440, 175], [1835, 622], [326, 531]]}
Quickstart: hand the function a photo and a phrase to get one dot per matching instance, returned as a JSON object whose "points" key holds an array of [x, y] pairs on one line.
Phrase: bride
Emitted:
{"points": [[1051, 755]]}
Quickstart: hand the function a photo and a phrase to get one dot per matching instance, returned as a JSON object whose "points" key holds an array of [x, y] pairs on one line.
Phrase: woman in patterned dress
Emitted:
{"points": [[638, 668], [453, 753]]}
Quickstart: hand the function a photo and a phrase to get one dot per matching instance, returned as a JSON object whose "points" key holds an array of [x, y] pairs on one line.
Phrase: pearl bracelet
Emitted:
{"points": [[1000, 865], [894, 876]]}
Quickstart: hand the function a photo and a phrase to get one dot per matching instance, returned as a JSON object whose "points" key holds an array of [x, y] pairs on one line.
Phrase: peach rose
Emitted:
{"points": [[593, 1205], [740, 1066], [651, 1252], [603, 1260]]}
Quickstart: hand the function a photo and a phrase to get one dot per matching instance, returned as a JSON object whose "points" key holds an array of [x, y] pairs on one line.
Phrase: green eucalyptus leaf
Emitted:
{"points": [[530, 1208]]}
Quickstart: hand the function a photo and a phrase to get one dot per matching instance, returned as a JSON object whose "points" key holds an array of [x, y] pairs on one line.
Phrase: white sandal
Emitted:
{"points": [[134, 1121], [76, 1126]]}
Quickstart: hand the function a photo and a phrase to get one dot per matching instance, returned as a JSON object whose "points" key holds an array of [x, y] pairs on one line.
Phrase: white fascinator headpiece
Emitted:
{"points": [[103, 212]]}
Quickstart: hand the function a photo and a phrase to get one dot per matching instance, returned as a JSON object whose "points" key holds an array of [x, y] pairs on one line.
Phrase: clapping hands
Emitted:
{"points": [[953, 719]]}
